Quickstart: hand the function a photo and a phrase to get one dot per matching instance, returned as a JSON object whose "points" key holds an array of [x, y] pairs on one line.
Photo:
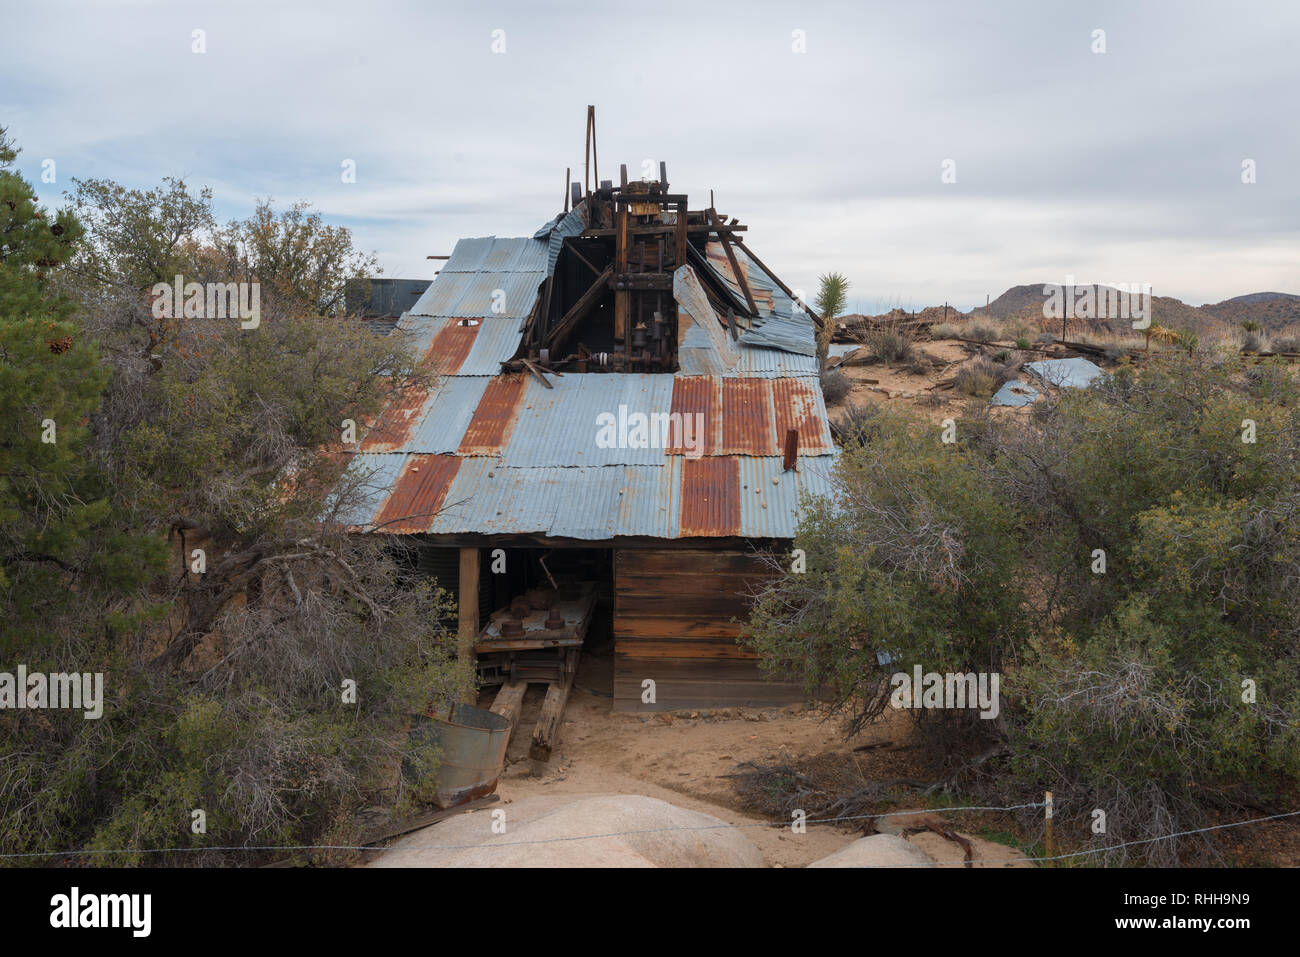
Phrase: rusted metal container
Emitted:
{"points": [[472, 747]]}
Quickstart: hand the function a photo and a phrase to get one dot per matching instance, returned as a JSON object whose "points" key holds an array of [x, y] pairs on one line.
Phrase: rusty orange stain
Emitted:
{"points": [[418, 494], [710, 497], [692, 395], [796, 408], [494, 418], [747, 417], [393, 426], [450, 347]]}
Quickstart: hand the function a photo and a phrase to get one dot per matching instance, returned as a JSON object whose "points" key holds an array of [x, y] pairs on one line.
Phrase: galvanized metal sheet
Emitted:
{"points": [[440, 340], [764, 362], [496, 254], [445, 416], [591, 420], [487, 277], [747, 496]]}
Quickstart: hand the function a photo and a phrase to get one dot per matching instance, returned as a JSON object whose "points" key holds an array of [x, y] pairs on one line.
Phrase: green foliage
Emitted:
{"points": [[832, 296], [1126, 689], [53, 510], [223, 689]]}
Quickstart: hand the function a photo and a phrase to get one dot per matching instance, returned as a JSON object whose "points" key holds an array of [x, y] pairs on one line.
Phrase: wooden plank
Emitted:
{"points": [[682, 648], [546, 734], [510, 701], [390, 831], [467, 612], [677, 628], [699, 683], [685, 561]]}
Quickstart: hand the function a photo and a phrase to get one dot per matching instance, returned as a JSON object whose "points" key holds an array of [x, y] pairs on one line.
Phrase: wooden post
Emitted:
{"points": [[622, 298], [1049, 845], [467, 610]]}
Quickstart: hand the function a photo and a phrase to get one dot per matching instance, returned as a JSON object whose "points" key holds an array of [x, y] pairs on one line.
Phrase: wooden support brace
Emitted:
{"points": [[467, 611]]}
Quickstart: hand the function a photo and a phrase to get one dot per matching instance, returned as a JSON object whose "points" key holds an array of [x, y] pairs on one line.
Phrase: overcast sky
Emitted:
{"points": [[1122, 166]]}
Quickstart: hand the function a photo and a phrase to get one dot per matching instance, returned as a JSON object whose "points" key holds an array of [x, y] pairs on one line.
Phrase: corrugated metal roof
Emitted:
{"points": [[493, 454], [487, 277], [768, 363], [606, 419], [492, 341], [780, 323], [735, 496]]}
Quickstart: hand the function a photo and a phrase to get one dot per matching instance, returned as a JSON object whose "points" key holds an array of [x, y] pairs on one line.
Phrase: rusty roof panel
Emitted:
{"points": [[418, 494], [710, 497], [724, 496], [495, 339], [391, 430], [494, 417], [747, 421], [697, 396], [450, 346], [799, 404]]}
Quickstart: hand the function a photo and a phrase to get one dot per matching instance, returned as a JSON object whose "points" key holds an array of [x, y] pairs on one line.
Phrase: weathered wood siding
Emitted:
{"points": [[673, 611]]}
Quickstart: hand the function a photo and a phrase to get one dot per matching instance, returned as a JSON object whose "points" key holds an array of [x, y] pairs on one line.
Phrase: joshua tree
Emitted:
{"points": [[831, 299]]}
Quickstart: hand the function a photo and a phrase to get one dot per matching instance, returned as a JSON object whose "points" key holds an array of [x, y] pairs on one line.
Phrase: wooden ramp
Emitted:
{"points": [[509, 704]]}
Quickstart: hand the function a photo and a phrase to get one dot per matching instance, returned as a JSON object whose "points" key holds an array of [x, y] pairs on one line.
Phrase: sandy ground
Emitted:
{"points": [[685, 758]]}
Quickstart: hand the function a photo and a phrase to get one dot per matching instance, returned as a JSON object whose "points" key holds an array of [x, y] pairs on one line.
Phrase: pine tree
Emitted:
{"points": [[50, 385]]}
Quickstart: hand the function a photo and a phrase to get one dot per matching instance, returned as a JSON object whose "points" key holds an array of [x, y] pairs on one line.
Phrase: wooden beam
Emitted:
{"points": [[510, 701], [735, 266], [546, 734], [622, 298], [604, 233], [572, 247], [776, 279], [467, 611], [580, 308]]}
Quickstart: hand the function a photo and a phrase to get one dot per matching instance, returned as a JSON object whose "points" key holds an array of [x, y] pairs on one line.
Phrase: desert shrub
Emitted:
{"points": [[981, 332], [889, 345], [861, 424], [835, 385], [945, 330], [1023, 343], [1286, 344], [1253, 342], [979, 378]]}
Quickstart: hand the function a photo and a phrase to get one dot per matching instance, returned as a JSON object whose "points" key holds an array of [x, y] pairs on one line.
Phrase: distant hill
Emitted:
{"points": [[1272, 310]]}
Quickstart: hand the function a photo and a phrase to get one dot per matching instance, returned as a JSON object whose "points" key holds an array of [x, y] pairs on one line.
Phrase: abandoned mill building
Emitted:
{"points": [[626, 408]]}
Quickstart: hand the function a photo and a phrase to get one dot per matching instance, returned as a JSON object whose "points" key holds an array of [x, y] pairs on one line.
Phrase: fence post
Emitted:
{"points": [[1048, 844]]}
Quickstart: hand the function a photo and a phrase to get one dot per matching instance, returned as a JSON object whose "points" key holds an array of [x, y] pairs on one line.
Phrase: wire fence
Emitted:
{"points": [[686, 827]]}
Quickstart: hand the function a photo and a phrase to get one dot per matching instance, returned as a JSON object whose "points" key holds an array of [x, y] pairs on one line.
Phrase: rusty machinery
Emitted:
{"points": [[608, 304]]}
